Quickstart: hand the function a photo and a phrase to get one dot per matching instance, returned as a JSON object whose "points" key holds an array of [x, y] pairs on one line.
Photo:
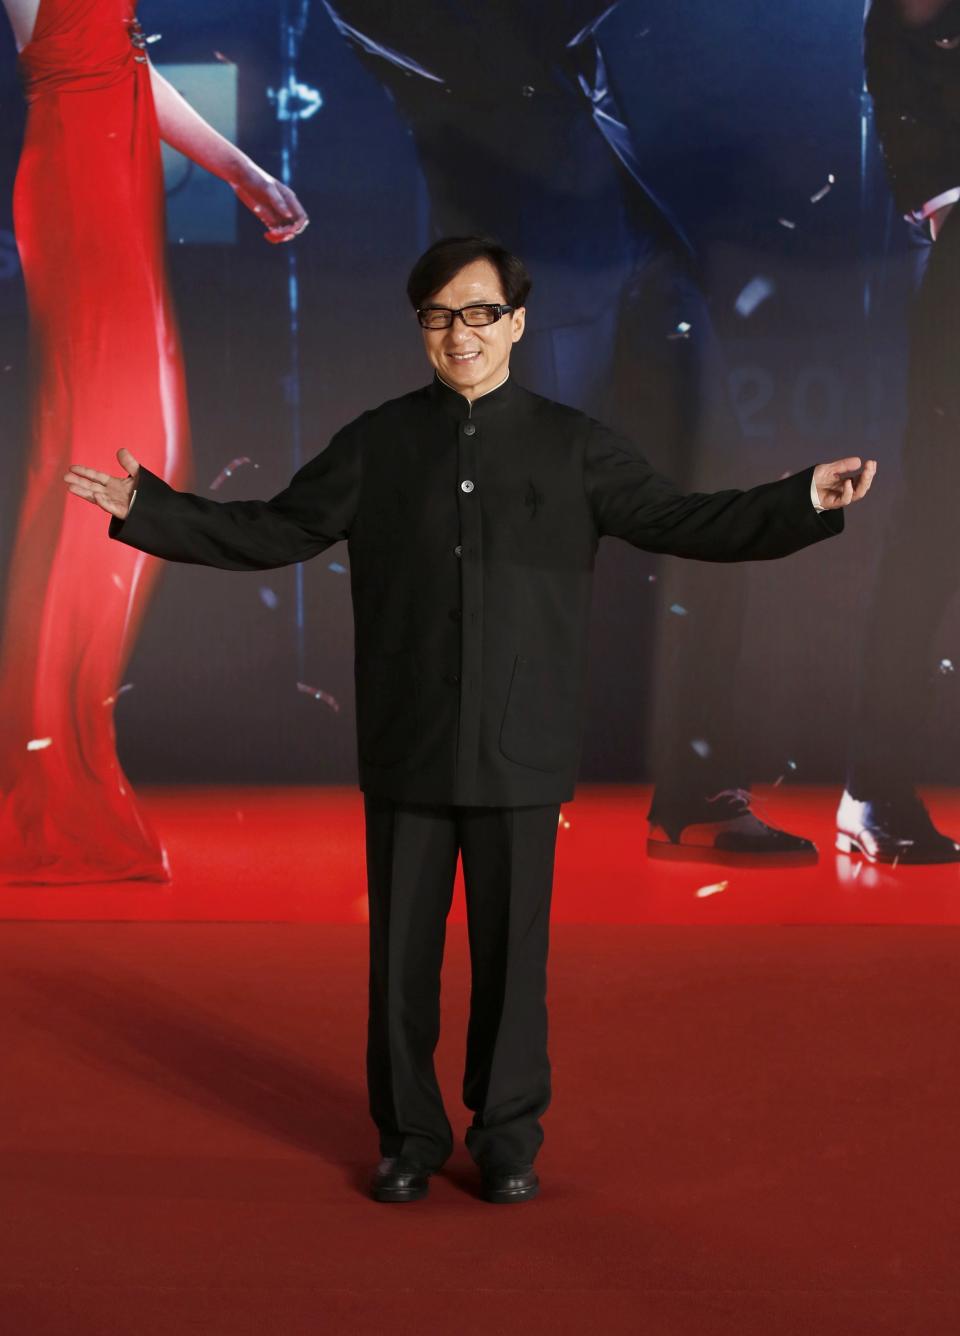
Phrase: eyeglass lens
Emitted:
{"points": [[441, 318]]}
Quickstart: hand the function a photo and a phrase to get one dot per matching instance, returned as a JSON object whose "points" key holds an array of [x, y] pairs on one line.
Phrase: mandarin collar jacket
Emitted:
{"points": [[472, 533]]}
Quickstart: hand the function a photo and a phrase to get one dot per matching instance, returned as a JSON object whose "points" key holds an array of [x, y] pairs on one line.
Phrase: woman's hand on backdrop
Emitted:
{"points": [[272, 202], [843, 481], [113, 495]]}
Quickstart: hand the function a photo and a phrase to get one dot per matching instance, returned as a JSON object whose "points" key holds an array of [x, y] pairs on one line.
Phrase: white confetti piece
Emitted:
{"points": [[120, 691], [39, 744], [824, 191], [753, 295], [788, 223], [230, 469], [678, 610], [317, 694], [268, 598], [714, 889], [702, 747]]}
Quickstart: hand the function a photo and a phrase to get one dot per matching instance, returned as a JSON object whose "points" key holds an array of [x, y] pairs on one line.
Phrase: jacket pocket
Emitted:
{"points": [[387, 707], [540, 724]]}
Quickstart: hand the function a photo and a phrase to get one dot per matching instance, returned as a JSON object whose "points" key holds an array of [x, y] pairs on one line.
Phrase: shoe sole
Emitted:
{"points": [[508, 1198], [392, 1195], [848, 844], [701, 853]]}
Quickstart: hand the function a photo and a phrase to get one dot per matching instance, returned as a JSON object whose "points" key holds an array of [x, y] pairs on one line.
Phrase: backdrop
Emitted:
{"points": [[717, 269]]}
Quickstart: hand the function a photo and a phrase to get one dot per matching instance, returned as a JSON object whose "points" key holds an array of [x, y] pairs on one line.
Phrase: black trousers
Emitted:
{"points": [[917, 576], [508, 856]]}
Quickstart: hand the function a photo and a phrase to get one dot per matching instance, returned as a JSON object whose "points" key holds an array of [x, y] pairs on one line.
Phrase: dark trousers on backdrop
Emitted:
{"points": [[508, 857], [917, 578]]}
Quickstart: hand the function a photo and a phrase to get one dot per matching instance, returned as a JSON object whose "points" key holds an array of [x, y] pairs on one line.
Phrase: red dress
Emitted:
{"points": [[88, 211]]}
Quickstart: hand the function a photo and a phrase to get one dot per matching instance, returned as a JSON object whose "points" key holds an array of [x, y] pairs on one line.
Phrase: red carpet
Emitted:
{"points": [[296, 855], [753, 1134]]}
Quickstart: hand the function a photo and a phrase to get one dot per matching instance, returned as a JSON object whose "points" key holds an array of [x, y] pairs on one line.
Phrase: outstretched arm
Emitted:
{"points": [[184, 129], [313, 512], [630, 500]]}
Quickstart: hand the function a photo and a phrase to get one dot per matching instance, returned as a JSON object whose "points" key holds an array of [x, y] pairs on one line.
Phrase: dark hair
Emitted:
{"points": [[449, 255]]}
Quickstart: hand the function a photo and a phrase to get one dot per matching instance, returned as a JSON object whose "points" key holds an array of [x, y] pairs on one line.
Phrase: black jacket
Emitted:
{"points": [[472, 534], [913, 74]]}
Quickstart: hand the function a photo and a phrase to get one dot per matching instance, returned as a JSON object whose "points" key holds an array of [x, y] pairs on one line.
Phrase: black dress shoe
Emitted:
{"points": [[399, 1179], [721, 829], [517, 1182], [892, 830]]}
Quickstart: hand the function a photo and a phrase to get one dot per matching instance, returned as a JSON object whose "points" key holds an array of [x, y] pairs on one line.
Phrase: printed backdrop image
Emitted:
{"points": [[731, 266]]}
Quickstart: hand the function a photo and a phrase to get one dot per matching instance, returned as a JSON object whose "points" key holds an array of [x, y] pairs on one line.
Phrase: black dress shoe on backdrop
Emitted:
{"points": [[399, 1179], [721, 828], [892, 830], [517, 1182]]}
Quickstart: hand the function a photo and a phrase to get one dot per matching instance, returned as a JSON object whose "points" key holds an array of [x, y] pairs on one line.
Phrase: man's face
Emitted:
{"points": [[473, 359]]}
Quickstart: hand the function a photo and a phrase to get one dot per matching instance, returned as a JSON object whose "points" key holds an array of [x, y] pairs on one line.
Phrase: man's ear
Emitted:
{"points": [[518, 323]]}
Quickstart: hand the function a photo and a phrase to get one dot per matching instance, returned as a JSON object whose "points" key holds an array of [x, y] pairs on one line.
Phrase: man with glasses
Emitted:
{"points": [[473, 510]]}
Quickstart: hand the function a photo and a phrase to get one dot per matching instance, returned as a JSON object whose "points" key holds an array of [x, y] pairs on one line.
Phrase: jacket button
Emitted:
{"points": [[458, 551], [466, 485], [469, 429]]}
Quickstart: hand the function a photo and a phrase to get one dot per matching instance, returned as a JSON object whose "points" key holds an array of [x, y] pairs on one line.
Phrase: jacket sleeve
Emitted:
{"points": [[630, 500], [313, 512]]}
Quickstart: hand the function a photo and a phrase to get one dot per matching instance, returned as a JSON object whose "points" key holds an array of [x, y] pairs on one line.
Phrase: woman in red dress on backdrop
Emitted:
{"points": [[88, 214]]}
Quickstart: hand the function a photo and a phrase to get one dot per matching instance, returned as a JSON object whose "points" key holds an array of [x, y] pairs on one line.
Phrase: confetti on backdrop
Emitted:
{"points": [[337, 568], [317, 694], [946, 667], [754, 294], [682, 331], [268, 598], [788, 223], [791, 765], [824, 191], [229, 470], [702, 747], [39, 744], [678, 610], [120, 691]]}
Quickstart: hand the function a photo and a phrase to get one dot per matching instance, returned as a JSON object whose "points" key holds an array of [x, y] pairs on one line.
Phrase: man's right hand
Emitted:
{"points": [[113, 495]]}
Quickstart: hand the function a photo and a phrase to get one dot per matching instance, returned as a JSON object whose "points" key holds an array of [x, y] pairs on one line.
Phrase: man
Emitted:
{"points": [[473, 510], [488, 93], [912, 50]]}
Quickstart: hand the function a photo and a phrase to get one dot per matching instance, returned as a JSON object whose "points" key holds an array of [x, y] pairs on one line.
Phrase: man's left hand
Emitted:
{"points": [[843, 481]]}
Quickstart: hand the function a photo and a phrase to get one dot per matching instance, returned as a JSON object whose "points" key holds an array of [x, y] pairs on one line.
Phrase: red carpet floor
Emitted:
{"points": [[754, 1133], [296, 855]]}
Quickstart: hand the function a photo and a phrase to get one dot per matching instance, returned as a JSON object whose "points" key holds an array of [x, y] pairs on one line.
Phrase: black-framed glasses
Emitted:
{"points": [[480, 313]]}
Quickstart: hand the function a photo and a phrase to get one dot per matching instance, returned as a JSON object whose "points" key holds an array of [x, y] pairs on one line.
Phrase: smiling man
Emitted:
{"points": [[473, 510]]}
